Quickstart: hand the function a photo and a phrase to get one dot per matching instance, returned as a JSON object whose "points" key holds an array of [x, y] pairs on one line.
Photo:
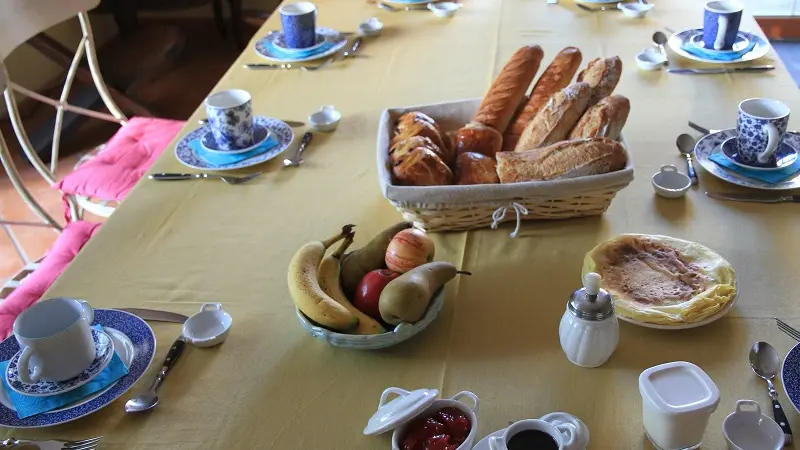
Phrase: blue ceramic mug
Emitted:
{"points": [[230, 117], [299, 23], [760, 127], [721, 24]]}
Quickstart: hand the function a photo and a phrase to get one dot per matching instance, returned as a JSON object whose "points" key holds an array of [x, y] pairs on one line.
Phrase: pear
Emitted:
{"points": [[406, 298], [368, 258]]}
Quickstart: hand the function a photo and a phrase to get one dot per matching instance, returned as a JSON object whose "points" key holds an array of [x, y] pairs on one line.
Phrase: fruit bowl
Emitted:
{"points": [[402, 332]]}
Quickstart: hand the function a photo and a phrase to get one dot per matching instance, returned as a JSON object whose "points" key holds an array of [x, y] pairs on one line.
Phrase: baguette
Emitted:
{"points": [[554, 122], [604, 119], [508, 89], [556, 77], [567, 159], [603, 76]]}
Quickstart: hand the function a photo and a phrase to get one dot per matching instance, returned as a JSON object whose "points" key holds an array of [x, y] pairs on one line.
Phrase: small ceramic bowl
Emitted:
{"points": [[670, 183], [650, 59], [453, 402], [326, 119], [370, 27], [634, 10], [748, 428], [444, 10], [209, 327]]}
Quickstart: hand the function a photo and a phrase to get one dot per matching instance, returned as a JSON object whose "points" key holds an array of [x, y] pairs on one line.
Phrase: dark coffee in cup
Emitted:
{"points": [[532, 440]]}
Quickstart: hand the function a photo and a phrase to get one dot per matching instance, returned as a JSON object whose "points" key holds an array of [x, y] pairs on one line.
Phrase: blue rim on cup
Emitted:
{"points": [[298, 22], [230, 118], [721, 19]]}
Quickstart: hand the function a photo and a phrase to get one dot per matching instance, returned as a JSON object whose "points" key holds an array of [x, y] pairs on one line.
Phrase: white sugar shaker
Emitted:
{"points": [[589, 330]]}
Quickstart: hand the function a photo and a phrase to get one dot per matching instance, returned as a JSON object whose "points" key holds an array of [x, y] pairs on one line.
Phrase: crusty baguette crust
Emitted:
{"points": [[604, 119], [475, 168], [603, 76], [556, 77], [554, 122], [478, 138], [508, 89], [567, 159]]}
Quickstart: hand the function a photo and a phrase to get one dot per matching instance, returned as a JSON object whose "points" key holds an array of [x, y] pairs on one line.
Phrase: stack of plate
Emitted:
{"points": [[748, 47], [273, 48]]}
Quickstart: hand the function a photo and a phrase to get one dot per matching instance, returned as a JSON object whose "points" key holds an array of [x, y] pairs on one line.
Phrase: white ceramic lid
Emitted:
{"points": [[679, 387], [399, 410]]}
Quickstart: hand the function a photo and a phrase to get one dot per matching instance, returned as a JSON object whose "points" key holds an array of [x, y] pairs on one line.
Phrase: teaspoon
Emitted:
{"points": [[148, 400], [660, 39], [686, 144], [765, 363], [296, 160]]}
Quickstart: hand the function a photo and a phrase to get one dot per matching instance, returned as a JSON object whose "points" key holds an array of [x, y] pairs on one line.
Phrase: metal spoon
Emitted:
{"points": [[765, 363], [199, 176], [685, 144], [391, 8], [148, 400], [296, 160], [660, 39]]}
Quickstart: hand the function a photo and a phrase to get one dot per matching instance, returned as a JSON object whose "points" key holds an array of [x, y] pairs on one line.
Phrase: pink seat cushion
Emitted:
{"points": [[71, 241], [127, 156]]}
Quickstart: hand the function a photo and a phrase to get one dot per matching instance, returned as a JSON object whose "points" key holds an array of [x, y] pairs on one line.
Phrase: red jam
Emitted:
{"points": [[445, 430]]}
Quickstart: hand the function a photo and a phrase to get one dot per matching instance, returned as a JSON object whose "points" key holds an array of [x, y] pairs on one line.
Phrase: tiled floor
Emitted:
{"points": [[174, 95]]}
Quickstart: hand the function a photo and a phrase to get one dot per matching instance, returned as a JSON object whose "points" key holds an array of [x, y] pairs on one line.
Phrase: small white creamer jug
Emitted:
{"points": [[589, 330]]}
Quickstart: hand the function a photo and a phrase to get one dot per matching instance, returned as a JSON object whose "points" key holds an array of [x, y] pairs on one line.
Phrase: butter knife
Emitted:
{"points": [[156, 315], [717, 71], [757, 198]]}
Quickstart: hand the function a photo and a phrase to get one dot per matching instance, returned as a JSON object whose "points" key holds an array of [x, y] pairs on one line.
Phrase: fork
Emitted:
{"points": [[391, 8], [602, 8], [189, 176], [85, 444], [791, 332]]}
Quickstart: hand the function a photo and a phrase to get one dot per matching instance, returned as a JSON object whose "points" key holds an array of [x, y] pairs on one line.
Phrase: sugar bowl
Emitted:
{"points": [[589, 330]]}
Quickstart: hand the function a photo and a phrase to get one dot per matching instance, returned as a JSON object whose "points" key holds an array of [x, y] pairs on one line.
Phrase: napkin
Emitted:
{"points": [[300, 54], [714, 55], [28, 406], [771, 177], [217, 159]]}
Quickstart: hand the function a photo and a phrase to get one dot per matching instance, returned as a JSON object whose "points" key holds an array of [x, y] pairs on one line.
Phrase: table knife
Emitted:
{"points": [[717, 71], [269, 66], [156, 315], [757, 198]]}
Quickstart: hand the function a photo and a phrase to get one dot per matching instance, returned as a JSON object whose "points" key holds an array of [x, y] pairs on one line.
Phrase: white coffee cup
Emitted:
{"points": [[501, 442], [56, 340]]}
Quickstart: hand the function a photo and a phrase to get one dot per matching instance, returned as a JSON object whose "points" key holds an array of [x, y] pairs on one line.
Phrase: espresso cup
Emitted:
{"points": [[56, 340], [299, 24], [504, 442], [230, 117], [760, 126], [721, 20]]}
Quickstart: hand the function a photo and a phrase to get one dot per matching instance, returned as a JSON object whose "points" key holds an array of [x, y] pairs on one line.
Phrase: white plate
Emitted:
{"points": [[686, 326], [263, 47], [677, 40]]}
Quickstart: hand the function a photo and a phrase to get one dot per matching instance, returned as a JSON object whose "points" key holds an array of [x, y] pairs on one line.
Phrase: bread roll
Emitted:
{"points": [[401, 148], [418, 124], [420, 166], [554, 122], [475, 168], [478, 138], [410, 118], [555, 78], [567, 159], [603, 76], [604, 119], [508, 89]]}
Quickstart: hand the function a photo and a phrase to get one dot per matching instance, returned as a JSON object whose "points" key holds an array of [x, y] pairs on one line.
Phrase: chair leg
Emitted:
{"points": [[236, 23], [219, 18]]}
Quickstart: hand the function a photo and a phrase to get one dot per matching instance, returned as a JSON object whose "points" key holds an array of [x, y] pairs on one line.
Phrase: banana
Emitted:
{"points": [[306, 292], [329, 270]]}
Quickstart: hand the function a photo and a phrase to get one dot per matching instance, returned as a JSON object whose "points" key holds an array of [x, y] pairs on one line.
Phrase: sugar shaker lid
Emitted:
{"points": [[591, 302], [400, 409]]}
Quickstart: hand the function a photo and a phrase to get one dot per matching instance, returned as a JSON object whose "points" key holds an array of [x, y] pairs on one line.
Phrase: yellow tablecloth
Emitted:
{"points": [[177, 245]]}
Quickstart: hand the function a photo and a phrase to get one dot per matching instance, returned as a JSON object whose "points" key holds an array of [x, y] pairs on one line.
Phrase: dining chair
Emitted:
{"points": [[101, 179]]}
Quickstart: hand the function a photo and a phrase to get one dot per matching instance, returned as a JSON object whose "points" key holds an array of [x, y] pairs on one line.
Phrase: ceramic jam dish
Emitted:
{"points": [[209, 327], [326, 119], [420, 419], [670, 183], [747, 429]]}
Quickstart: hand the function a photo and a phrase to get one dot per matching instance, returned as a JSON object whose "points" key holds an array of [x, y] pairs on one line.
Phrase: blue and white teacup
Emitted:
{"points": [[721, 24], [760, 127], [299, 23], [230, 117]]}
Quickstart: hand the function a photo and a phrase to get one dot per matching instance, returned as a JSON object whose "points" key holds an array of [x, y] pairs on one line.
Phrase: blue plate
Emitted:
{"points": [[260, 134], [741, 43], [334, 41], [790, 375], [759, 47], [281, 45], [103, 349], [783, 157], [144, 343], [280, 130]]}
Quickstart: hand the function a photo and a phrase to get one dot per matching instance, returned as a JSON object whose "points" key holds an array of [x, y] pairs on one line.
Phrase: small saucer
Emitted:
{"points": [[741, 43], [280, 44], [209, 327], [783, 157], [444, 10], [260, 134], [370, 27], [326, 119], [104, 351]]}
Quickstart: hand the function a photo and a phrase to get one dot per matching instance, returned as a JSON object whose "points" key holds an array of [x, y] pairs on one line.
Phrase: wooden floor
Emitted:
{"points": [[175, 95]]}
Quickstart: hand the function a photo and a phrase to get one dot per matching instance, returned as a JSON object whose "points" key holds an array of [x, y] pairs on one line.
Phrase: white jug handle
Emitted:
{"points": [[22, 367], [88, 311], [569, 432], [722, 30], [740, 403], [208, 306], [668, 168], [496, 443], [773, 139], [390, 391], [469, 395]]}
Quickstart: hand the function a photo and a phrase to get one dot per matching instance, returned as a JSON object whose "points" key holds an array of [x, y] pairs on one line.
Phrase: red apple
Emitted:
{"points": [[408, 249], [369, 291]]}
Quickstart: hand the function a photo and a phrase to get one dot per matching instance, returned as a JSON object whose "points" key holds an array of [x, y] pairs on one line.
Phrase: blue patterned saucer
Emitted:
{"points": [[143, 347], [260, 134], [279, 42], [741, 43], [104, 350], [334, 41], [783, 157], [790, 376]]}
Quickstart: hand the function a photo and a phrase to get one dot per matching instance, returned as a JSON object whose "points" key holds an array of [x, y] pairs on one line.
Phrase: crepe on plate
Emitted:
{"points": [[661, 279]]}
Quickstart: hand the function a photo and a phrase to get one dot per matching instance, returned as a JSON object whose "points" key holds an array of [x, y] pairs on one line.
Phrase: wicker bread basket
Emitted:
{"points": [[454, 208]]}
